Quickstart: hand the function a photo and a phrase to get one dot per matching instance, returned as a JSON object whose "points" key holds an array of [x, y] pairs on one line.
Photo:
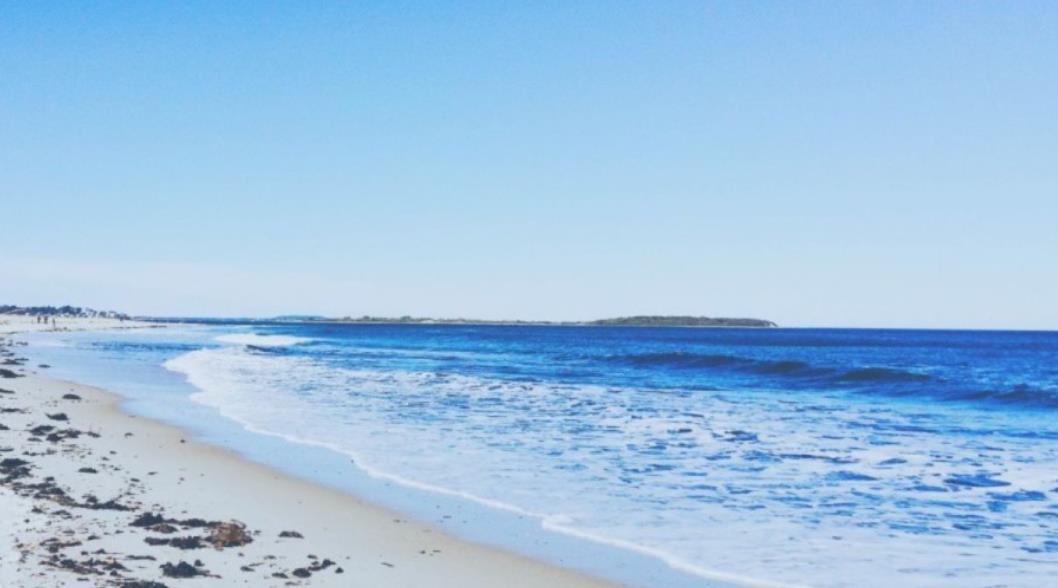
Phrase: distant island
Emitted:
{"points": [[627, 321], [681, 321]]}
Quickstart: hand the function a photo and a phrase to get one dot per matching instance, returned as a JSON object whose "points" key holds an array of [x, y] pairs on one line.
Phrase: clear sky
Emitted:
{"points": [[814, 163]]}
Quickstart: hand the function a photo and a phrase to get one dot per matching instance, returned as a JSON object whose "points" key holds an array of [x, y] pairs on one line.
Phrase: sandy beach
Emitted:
{"points": [[90, 495]]}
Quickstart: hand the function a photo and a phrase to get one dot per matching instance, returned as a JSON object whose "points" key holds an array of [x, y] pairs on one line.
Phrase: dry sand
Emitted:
{"points": [[91, 471]]}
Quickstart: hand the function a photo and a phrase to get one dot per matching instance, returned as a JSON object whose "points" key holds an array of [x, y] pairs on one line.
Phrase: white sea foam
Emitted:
{"points": [[221, 377], [262, 340], [582, 461]]}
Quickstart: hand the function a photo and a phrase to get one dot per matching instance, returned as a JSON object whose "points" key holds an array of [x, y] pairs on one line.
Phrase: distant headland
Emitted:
{"points": [[624, 321]]}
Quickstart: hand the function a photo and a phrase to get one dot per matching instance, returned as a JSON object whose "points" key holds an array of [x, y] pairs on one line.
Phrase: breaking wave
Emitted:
{"points": [[769, 367]]}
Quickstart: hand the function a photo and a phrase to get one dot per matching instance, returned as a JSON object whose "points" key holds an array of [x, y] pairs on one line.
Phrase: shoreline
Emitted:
{"points": [[62, 524]]}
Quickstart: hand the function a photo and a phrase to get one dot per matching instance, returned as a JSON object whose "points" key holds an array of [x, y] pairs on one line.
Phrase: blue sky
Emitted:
{"points": [[845, 164]]}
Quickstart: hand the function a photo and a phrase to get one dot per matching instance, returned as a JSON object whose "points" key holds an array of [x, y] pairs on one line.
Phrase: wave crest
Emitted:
{"points": [[792, 368]]}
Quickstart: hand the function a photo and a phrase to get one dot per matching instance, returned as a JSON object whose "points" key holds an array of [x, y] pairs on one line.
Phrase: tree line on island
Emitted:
{"points": [[61, 311]]}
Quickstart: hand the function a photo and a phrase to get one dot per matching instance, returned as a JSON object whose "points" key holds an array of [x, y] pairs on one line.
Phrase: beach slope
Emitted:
{"points": [[92, 496]]}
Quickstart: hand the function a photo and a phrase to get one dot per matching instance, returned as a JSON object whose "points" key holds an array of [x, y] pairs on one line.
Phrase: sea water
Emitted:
{"points": [[769, 457]]}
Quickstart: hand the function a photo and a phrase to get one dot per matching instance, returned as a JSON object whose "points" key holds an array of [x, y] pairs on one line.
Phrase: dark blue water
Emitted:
{"points": [[1015, 369], [800, 457]]}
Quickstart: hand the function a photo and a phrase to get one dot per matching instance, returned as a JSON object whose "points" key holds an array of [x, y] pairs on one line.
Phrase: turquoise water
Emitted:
{"points": [[659, 456]]}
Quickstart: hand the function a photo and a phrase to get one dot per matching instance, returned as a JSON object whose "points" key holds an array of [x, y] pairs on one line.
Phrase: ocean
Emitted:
{"points": [[656, 456]]}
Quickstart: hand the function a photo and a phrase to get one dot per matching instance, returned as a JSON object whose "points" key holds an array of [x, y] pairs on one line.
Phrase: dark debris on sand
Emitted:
{"points": [[220, 534], [314, 567], [182, 570], [150, 519], [12, 469], [189, 542], [100, 567], [230, 534], [90, 566]]}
